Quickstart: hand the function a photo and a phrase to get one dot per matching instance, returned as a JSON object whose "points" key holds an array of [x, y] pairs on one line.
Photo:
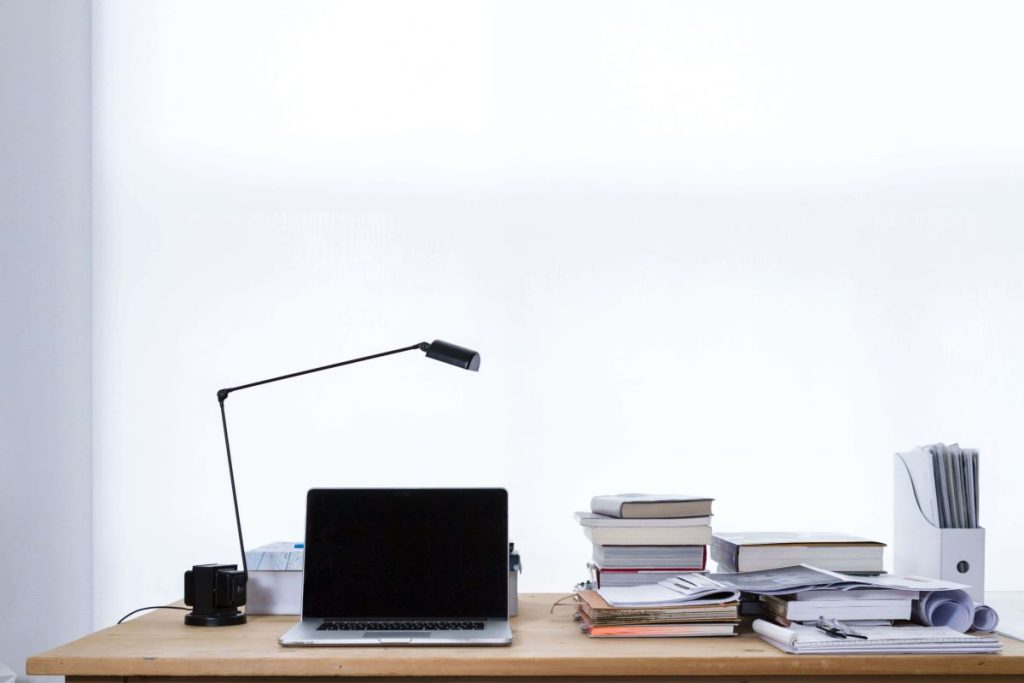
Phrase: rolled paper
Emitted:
{"points": [[954, 609], [985, 618]]}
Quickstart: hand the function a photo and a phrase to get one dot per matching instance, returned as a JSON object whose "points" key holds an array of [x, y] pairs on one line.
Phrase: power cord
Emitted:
{"points": [[143, 609]]}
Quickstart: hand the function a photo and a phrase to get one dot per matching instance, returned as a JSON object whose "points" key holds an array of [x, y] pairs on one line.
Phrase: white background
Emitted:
{"points": [[739, 249]]}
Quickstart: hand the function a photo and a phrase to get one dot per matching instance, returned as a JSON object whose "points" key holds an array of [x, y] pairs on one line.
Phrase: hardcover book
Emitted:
{"points": [[685, 535], [754, 551], [651, 505]]}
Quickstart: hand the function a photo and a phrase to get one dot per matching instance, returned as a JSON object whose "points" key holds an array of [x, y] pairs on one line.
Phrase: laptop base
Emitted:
{"points": [[306, 633]]}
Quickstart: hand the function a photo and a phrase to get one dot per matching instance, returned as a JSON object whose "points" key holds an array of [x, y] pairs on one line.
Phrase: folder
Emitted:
{"points": [[920, 546]]}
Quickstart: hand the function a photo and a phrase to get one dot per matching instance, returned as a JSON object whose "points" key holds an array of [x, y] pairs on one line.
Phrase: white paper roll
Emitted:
{"points": [[985, 618], [954, 609]]}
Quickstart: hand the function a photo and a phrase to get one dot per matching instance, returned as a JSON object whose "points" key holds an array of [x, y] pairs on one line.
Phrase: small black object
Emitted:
{"points": [[467, 359], [214, 592], [836, 629]]}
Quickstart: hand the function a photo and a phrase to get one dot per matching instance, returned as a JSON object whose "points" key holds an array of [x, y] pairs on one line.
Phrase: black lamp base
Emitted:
{"points": [[215, 592], [193, 619]]}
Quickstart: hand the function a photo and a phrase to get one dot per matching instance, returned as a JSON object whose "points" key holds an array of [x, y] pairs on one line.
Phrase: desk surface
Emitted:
{"points": [[545, 645]]}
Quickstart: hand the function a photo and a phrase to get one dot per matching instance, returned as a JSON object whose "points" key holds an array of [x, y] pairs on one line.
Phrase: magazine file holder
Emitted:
{"points": [[922, 549]]}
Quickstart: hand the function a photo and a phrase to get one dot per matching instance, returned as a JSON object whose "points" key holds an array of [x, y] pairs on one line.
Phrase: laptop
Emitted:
{"points": [[404, 567]]}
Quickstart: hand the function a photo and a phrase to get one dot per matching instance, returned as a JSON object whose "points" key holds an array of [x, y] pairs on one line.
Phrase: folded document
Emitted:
{"points": [[687, 588]]}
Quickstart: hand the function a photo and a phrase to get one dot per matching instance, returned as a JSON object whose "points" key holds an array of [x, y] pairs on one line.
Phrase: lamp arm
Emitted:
{"points": [[222, 395], [234, 495]]}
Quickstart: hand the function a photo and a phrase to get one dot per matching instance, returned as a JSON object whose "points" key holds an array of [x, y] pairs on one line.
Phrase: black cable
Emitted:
{"points": [[143, 609]]}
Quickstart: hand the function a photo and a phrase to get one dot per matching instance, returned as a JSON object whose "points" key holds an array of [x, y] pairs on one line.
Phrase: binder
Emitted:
{"points": [[921, 548]]}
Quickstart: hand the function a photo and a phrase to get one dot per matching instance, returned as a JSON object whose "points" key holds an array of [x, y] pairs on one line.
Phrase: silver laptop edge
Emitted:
{"points": [[305, 633]]}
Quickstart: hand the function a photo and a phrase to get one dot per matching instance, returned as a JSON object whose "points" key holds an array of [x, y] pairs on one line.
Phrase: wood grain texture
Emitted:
{"points": [[545, 645]]}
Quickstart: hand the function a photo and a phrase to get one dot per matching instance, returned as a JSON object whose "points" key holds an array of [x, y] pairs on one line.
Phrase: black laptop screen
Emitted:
{"points": [[406, 553]]}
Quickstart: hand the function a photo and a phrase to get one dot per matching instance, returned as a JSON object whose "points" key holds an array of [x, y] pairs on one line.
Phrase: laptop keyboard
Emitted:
{"points": [[401, 626]]}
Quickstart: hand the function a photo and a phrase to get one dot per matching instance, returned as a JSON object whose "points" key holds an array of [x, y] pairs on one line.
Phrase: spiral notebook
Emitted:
{"points": [[798, 639]]}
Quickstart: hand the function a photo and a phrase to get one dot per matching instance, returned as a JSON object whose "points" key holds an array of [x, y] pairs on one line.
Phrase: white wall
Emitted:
{"points": [[45, 332], [741, 249]]}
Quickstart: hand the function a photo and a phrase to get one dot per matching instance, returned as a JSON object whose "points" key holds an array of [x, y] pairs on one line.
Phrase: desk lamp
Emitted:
{"points": [[216, 591]]}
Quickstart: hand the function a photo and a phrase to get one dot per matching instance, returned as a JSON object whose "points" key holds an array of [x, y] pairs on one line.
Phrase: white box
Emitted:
{"points": [[275, 579], [922, 549]]}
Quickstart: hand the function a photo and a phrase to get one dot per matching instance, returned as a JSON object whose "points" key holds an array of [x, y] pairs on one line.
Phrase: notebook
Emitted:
{"points": [[798, 639], [404, 567]]}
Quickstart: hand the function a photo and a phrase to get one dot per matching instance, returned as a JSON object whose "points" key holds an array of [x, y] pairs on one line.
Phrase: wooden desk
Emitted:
{"points": [[547, 647]]}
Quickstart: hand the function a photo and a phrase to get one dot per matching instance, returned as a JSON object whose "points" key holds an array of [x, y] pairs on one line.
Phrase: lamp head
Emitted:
{"points": [[467, 359]]}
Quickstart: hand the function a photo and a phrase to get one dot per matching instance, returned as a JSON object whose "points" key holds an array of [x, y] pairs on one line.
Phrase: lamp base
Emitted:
{"points": [[215, 592], [193, 619]]}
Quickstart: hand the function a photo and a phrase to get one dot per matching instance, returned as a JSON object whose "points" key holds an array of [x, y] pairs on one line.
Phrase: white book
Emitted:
{"points": [[687, 535], [755, 551], [649, 505], [808, 610], [659, 556], [593, 519]]}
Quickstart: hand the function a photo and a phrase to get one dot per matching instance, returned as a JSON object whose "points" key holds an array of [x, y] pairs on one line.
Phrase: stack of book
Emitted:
{"points": [[599, 619], [644, 538], [756, 551]]}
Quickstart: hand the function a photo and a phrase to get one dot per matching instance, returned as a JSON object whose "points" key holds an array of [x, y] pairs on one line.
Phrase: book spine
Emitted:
{"points": [[694, 535], [775, 606], [724, 552]]}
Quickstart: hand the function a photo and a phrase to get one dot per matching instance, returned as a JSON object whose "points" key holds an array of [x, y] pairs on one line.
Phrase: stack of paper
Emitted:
{"points": [[938, 603], [601, 620], [700, 609], [803, 578], [799, 639]]}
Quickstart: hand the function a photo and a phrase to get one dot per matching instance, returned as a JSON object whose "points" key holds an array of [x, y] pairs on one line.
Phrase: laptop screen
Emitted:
{"points": [[406, 553]]}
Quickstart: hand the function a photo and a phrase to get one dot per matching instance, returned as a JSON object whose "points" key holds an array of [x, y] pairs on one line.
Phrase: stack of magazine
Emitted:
{"points": [[653, 610]]}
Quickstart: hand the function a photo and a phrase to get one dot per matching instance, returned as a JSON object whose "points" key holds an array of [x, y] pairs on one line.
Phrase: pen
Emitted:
{"points": [[836, 629]]}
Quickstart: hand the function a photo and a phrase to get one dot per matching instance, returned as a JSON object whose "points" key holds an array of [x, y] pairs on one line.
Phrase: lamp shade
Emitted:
{"points": [[467, 359]]}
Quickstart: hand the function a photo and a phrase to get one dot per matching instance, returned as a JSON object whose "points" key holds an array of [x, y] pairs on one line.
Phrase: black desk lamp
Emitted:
{"points": [[216, 591]]}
